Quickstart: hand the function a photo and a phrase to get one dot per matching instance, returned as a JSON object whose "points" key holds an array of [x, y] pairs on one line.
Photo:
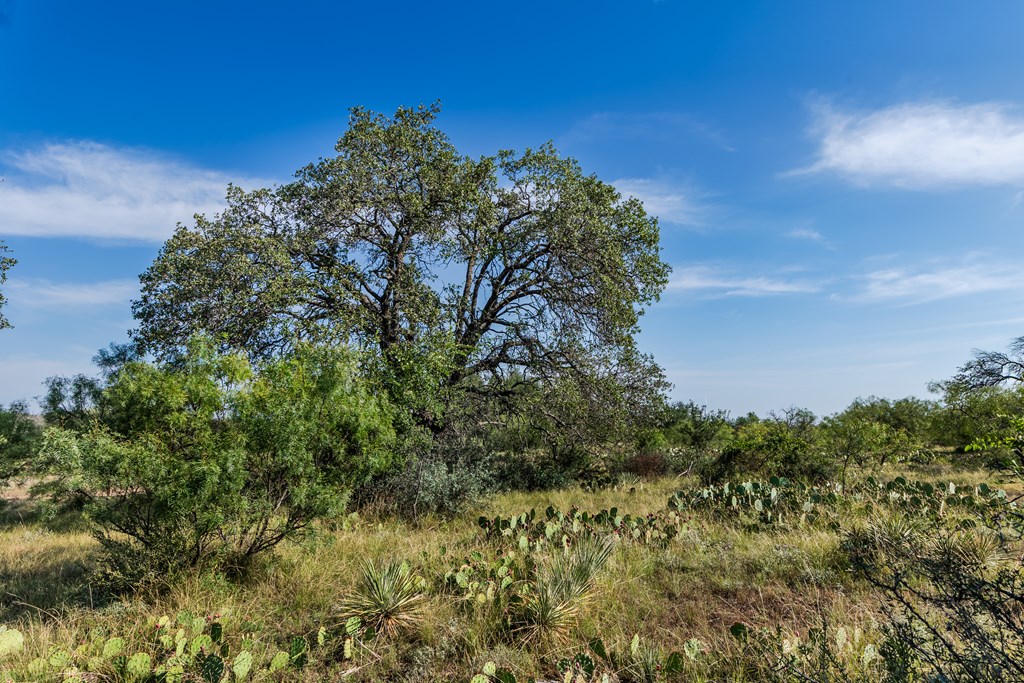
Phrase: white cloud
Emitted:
{"points": [[923, 145], [923, 284], [45, 294], [805, 234], [721, 284], [662, 199], [85, 189]]}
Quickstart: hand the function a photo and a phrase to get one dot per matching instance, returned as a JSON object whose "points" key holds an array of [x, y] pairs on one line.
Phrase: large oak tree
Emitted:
{"points": [[467, 277]]}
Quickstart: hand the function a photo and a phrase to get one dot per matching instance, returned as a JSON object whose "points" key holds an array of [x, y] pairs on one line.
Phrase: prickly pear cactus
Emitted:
{"points": [[241, 665], [113, 647], [139, 666], [11, 641], [279, 661], [492, 674], [212, 669]]}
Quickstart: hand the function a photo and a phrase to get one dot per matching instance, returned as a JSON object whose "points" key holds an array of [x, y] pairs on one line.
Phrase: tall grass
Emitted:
{"points": [[714, 573]]}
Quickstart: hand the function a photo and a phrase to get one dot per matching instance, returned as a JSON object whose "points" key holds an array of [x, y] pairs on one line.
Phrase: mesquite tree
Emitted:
{"points": [[466, 277], [5, 264]]}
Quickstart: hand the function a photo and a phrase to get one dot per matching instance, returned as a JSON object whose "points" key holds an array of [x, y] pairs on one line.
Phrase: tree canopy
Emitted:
{"points": [[5, 264], [993, 368], [472, 276]]}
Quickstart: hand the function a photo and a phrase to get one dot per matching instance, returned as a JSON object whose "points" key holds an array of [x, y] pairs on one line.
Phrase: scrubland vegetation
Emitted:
{"points": [[685, 560], [323, 456]]}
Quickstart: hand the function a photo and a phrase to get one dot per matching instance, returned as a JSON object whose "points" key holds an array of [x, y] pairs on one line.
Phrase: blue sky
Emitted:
{"points": [[840, 185]]}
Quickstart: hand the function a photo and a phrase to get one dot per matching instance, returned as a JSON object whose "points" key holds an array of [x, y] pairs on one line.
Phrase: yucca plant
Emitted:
{"points": [[389, 598], [554, 599], [973, 550]]}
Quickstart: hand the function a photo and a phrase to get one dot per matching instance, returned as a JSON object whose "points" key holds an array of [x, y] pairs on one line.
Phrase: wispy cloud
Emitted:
{"points": [[45, 294], [809, 235], [805, 234], [716, 282], [922, 145], [670, 203], [937, 281], [85, 189]]}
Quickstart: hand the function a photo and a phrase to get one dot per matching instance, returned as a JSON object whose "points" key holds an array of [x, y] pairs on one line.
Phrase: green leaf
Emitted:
{"points": [[693, 648], [174, 674], [200, 643], [59, 659], [37, 669], [585, 663]]}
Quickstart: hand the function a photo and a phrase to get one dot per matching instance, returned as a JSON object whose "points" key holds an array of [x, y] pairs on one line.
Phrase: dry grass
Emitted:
{"points": [[708, 578], [43, 571]]}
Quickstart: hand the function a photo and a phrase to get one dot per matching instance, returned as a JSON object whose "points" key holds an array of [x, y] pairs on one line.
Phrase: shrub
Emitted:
{"points": [[770, 447], [695, 426], [543, 469], [971, 413], [647, 464], [852, 438], [953, 592], [19, 440], [440, 482], [203, 461]]}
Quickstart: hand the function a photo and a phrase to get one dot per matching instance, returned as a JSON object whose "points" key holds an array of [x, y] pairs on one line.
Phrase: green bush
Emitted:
{"points": [[954, 595], [852, 438], [207, 462], [770, 447], [19, 441], [695, 426], [543, 469], [971, 413]]}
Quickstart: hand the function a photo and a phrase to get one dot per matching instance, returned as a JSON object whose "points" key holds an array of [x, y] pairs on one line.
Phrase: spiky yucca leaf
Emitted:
{"points": [[554, 600], [389, 598], [972, 550]]}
